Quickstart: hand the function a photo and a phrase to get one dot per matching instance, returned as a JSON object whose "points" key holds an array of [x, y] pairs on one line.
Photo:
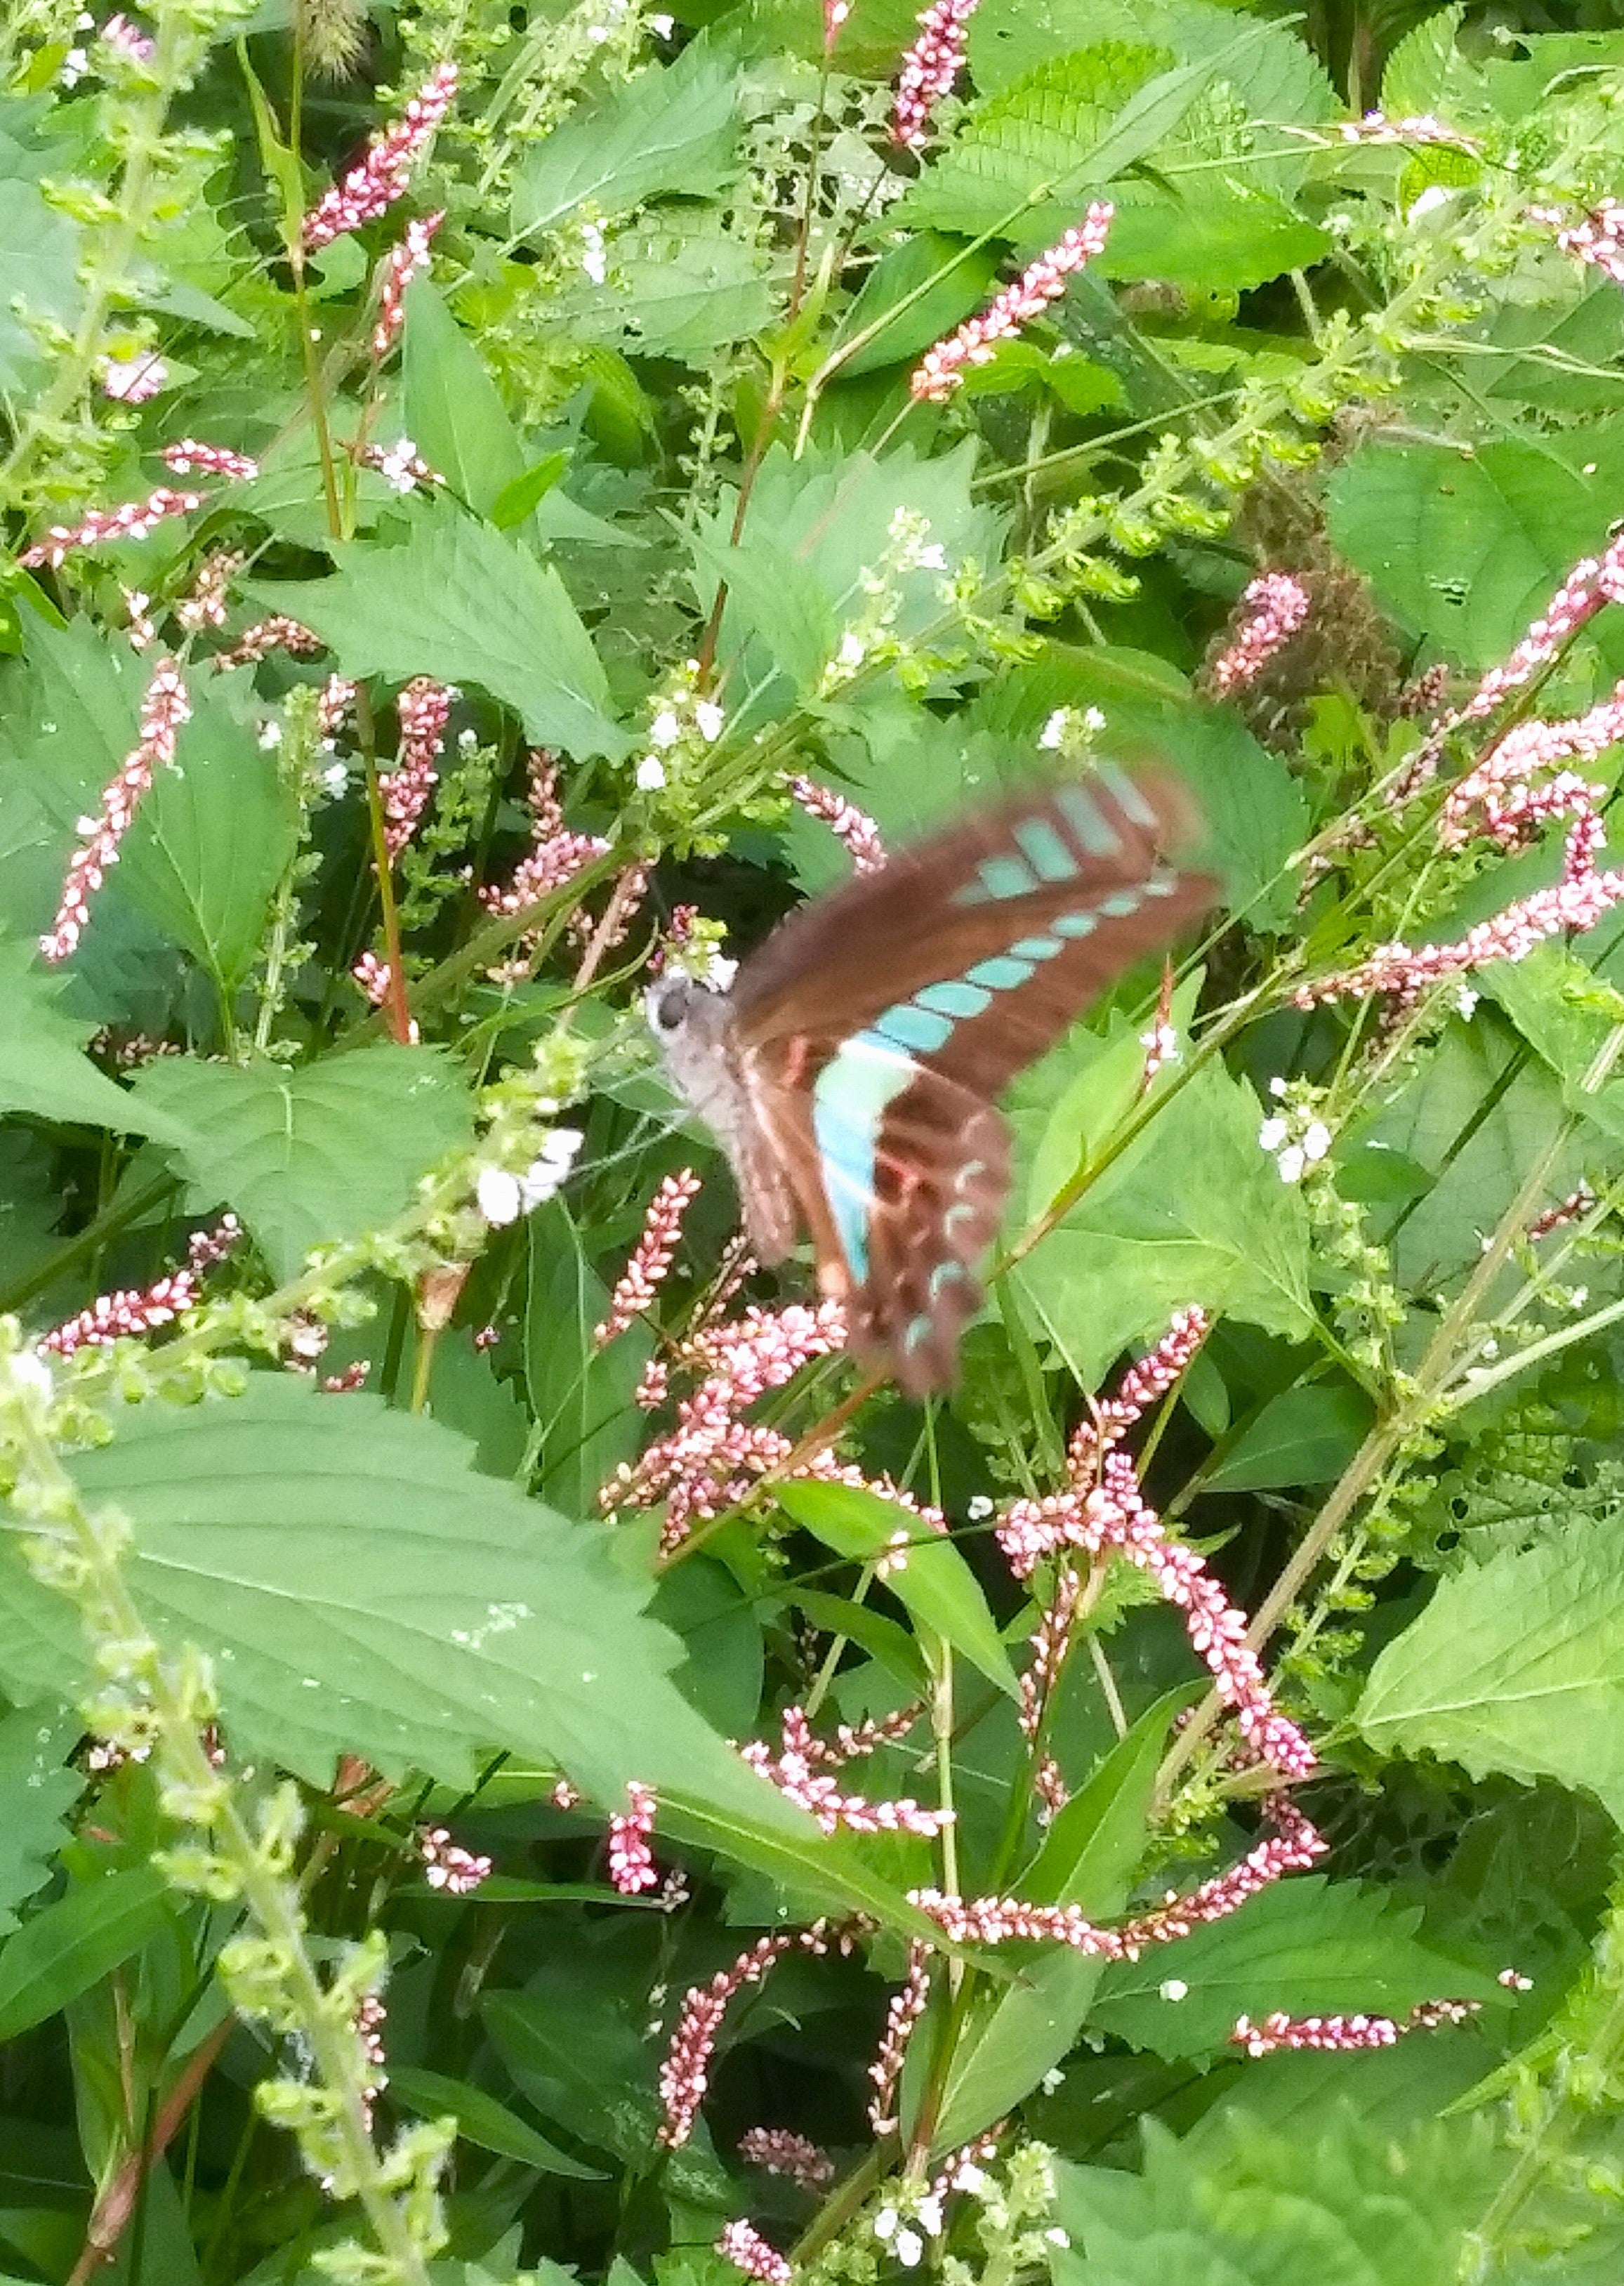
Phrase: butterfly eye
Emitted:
{"points": [[668, 1009]]}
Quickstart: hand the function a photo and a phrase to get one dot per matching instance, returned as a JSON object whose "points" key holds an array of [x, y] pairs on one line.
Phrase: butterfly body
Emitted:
{"points": [[850, 1072]]}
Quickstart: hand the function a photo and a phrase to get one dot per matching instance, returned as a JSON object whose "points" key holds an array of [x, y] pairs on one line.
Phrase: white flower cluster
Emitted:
{"points": [[503, 1196], [871, 638], [1071, 731], [681, 720], [1295, 1137]]}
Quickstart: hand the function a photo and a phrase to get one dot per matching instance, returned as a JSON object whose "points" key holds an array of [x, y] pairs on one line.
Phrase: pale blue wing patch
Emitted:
{"points": [[850, 1097]]}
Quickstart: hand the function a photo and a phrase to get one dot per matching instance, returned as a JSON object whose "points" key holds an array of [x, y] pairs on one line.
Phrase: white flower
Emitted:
{"points": [[720, 971], [1173, 1988], [1291, 1163], [662, 26], [1053, 2080], [1276, 1087], [1054, 730], [594, 258], [76, 63], [1436, 195], [929, 2213], [499, 1196], [1271, 1134], [709, 718], [335, 778], [885, 2223], [541, 1178], [1466, 1000], [1580, 1296], [468, 739], [664, 730], [979, 1508], [1057, 2237], [850, 654], [932, 557], [30, 1372], [1093, 719], [1316, 1141], [971, 2177], [908, 2248], [270, 736], [650, 773]]}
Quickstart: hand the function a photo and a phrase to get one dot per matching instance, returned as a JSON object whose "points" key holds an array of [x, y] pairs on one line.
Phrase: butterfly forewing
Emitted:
{"points": [[873, 1029]]}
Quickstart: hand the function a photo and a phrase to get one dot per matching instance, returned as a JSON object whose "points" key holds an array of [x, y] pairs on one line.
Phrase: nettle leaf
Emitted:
{"points": [[1427, 72], [1089, 1859], [460, 601], [1191, 1211], [454, 412], [677, 288], [313, 1154], [932, 1580], [669, 132], [1514, 1665], [1243, 2206], [43, 1067], [40, 278], [36, 1792], [1468, 550], [1311, 1946], [360, 1589]]}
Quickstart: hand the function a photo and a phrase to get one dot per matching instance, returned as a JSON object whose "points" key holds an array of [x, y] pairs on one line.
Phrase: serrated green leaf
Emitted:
{"points": [[462, 603], [1515, 1665], [482, 2121], [313, 1154], [932, 1580], [36, 1792], [671, 132], [43, 1069], [65, 1948], [676, 289], [40, 277]]}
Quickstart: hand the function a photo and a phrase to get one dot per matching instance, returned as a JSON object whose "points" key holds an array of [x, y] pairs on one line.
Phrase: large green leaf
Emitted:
{"points": [[669, 132], [43, 1069], [931, 1579], [1468, 550], [35, 1793], [678, 286], [460, 601], [361, 1589], [1089, 1859], [1310, 1946], [1305, 1436], [454, 411], [1192, 1212], [482, 2120], [65, 1948], [40, 255], [1515, 1665], [317, 1153]]}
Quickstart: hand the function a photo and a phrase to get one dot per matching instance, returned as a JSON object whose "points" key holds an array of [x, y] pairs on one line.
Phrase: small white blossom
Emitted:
{"points": [[1435, 195], [335, 777], [1316, 1141], [76, 63], [650, 773], [932, 557], [1276, 1087], [499, 1196], [1291, 1163], [929, 2213], [595, 255], [1580, 1296], [662, 26], [548, 1170], [664, 730], [1093, 719], [969, 2177], [1173, 1988], [1271, 1134], [1054, 730], [1053, 2080], [850, 654], [467, 740], [30, 1372], [270, 736], [1057, 2237], [909, 2247], [1466, 1001], [885, 2224], [709, 718], [979, 1509], [720, 971]]}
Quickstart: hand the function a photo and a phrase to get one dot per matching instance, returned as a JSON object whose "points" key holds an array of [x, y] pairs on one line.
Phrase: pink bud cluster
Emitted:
{"points": [[136, 520], [903, 2011], [371, 187], [405, 259], [850, 825], [1421, 127], [132, 379], [205, 606], [1344, 2033], [556, 857], [191, 458], [164, 708], [277, 633], [780, 2151], [1276, 605], [374, 977], [370, 2018], [401, 464], [639, 1283], [424, 707], [1142, 1386], [928, 70], [1504, 785], [940, 372], [446, 1864], [631, 1866], [756, 2256], [354, 1377], [123, 37], [134, 1311], [801, 1769], [1598, 239], [685, 2073], [1573, 1208], [1050, 1642]]}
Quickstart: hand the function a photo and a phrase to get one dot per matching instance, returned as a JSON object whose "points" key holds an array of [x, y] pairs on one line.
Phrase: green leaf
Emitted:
{"points": [[461, 603], [36, 1793], [1305, 1436], [1468, 550], [1309, 1946], [40, 255], [582, 1397], [482, 2121], [1515, 1666], [1427, 72], [1089, 1859], [956, 280], [517, 499], [64, 1949], [668, 132], [313, 1154], [43, 1069], [360, 1588], [678, 286], [1191, 1211], [932, 1580], [455, 415]]}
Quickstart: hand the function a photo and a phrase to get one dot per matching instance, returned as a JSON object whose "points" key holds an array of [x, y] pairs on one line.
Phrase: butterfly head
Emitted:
{"points": [[688, 1021]]}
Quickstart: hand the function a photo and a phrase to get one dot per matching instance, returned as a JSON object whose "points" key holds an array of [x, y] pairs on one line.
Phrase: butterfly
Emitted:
{"points": [[849, 1073]]}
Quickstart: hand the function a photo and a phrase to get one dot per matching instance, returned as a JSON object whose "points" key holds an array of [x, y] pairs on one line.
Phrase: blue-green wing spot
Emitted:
{"points": [[1120, 904], [849, 1099], [1160, 884], [1001, 973], [1090, 824], [946, 1273], [1079, 924], [1036, 947], [908, 1025], [954, 998], [1047, 854], [1128, 798]]}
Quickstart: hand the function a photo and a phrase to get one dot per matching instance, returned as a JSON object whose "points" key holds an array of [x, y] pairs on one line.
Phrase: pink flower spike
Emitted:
{"points": [[405, 259], [631, 1866], [556, 857], [123, 37], [651, 1258], [780, 2151], [1277, 605], [850, 825], [939, 371], [190, 458], [163, 710], [1344, 2033], [903, 2011], [801, 1769], [277, 633], [685, 2073], [424, 707], [928, 70], [1598, 239], [749, 2252], [134, 521], [114, 1317], [371, 187], [447, 1865], [205, 606]]}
